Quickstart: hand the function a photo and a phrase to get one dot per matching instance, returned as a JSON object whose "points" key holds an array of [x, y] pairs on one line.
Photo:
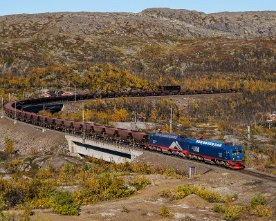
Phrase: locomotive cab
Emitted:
{"points": [[235, 157], [237, 154]]}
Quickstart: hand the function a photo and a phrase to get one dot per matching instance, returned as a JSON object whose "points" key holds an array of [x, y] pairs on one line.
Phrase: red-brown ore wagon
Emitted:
{"points": [[35, 119], [78, 127], [111, 131], [59, 123], [139, 137], [89, 129], [99, 129], [42, 120], [48, 122], [124, 134], [28, 117], [69, 126]]}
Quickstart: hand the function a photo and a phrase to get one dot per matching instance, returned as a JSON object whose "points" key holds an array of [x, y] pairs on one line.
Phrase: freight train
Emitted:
{"points": [[209, 151]]}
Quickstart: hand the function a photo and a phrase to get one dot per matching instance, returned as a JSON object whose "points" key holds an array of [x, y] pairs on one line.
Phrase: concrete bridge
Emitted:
{"points": [[101, 150]]}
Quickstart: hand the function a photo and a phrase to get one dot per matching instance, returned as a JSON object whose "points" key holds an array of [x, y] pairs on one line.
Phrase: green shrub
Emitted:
{"points": [[230, 198], [164, 212], [210, 196], [142, 168], [6, 216], [14, 166], [183, 191], [9, 145], [67, 172], [258, 200], [140, 182], [42, 203], [167, 194], [170, 172], [63, 203], [14, 196], [2, 203], [219, 208], [232, 213], [45, 173], [68, 168], [116, 190], [262, 211], [68, 210]]}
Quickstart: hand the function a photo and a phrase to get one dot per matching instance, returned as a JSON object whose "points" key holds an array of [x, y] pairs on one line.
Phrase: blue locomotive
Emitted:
{"points": [[215, 152]]}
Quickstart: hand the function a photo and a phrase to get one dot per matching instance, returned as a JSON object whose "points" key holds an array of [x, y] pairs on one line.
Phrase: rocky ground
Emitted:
{"points": [[147, 203]]}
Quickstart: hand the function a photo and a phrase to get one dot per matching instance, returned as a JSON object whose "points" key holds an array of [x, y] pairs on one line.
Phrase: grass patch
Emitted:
{"points": [[140, 182], [164, 212], [232, 213], [258, 206], [182, 191], [64, 204], [219, 208], [258, 200], [262, 211]]}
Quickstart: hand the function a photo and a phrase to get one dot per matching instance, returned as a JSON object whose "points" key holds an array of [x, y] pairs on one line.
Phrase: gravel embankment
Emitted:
{"points": [[29, 140]]}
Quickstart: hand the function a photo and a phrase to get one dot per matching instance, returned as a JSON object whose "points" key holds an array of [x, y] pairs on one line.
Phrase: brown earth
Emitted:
{"points": [[147, 203]]}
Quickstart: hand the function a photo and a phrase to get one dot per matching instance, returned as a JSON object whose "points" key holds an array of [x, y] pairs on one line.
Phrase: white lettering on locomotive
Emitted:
{"points": [[166, 136], [208, 143]]}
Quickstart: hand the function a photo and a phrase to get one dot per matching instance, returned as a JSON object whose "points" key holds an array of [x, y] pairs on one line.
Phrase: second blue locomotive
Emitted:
{"points": [[211, 151]]}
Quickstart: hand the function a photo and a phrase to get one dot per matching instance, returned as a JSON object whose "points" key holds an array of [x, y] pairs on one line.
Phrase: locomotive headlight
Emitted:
{"points": [[233, 158]]}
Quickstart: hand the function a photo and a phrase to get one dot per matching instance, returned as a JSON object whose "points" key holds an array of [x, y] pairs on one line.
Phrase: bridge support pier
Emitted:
{"points": [[101, 150]]}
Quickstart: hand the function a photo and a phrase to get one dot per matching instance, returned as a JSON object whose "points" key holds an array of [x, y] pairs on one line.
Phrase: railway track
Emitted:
{"points": [[249, 172], [84, 97], [259, 175]]}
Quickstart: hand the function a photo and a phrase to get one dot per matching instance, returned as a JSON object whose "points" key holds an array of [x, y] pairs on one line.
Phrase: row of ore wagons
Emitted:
{"points": [[75, 127]]}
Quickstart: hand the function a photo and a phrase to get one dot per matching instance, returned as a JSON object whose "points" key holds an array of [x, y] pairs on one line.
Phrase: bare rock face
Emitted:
{"points": [[235, 24], [149, 23]]}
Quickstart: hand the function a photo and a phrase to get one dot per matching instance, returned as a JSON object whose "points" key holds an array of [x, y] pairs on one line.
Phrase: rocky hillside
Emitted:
{"points": [[234, 24], [148, 23], [153, 41]]}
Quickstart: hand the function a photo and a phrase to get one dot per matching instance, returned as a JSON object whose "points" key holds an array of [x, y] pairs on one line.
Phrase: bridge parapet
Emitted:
{"points": [[102, 150]]}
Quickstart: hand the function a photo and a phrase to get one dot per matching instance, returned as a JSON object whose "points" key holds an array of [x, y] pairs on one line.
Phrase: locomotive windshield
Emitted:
{"points": [[236, 152]]}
